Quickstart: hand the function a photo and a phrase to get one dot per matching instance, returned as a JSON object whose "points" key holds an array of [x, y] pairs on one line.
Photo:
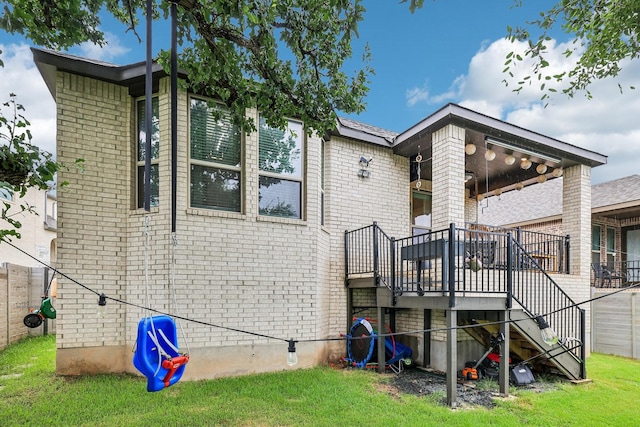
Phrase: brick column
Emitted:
{"points": [[448, 177], [576, 217]]}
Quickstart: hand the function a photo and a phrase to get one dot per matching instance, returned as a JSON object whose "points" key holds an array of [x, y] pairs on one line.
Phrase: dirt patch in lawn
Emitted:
{"points": [[420, 382]]}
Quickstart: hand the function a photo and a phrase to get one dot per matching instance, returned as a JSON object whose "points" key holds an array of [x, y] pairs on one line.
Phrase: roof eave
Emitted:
{"points": [[455, 114]]}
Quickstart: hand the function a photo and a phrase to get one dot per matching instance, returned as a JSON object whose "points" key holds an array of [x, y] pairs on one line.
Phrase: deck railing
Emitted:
{"points": [[618, 274], [461, 261], [551, 251]]}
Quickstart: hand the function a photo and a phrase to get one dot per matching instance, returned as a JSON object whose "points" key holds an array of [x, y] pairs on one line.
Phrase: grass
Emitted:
{"points": [[32, 394]]}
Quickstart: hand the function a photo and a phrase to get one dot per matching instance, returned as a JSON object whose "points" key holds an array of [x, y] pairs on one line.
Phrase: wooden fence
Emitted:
{"points": [[21, 289], [615, 323]]}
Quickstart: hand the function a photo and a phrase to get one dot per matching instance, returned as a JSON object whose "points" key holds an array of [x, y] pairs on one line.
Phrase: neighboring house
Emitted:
{"points": [[38, 231], [289, 236], [615, 223]]}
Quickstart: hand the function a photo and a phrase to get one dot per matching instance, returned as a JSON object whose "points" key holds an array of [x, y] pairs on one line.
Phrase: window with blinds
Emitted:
{"points": [[281, 170], [155, 151], [215, 158]]}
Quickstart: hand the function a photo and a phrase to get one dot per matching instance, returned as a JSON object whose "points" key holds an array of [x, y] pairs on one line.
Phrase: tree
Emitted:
{"points": [[22, 164], [284, 57], [604, 32]]}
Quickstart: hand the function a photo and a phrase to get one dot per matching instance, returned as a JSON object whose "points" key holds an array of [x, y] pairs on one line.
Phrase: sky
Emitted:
{"points": [[448, 51]]}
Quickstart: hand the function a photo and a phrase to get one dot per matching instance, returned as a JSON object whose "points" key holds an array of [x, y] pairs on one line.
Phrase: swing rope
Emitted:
{"points": [[174, 245]]}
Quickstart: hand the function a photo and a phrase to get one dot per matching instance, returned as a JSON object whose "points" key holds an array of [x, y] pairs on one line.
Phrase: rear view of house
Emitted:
{"points": [[289, 235]]}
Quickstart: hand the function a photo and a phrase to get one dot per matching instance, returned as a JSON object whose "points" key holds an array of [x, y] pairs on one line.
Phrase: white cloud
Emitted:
{"points": [[20, 76], [606, 124], [417, 94], [112, 49]]}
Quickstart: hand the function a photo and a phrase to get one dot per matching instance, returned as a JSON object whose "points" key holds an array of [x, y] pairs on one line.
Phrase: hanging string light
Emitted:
{"points": [[419, 161]]}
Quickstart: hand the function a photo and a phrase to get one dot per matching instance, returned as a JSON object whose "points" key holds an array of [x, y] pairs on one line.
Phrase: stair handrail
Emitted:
{"points": [[550, 300]]}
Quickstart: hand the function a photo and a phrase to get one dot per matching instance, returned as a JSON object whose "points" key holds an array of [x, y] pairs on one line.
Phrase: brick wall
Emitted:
{"points": [[93, 124], [278, 277], [354, 202]]}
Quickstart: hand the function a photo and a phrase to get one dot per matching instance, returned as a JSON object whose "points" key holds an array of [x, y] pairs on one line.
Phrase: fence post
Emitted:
{"points": [[346, 258], [376, 261], [392, 266], [509, 271], [583, 349], [452, 266], [567, 245]]}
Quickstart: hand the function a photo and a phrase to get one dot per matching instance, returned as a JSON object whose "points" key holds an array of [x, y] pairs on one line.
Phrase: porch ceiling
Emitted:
{"points": [[481, 130]]}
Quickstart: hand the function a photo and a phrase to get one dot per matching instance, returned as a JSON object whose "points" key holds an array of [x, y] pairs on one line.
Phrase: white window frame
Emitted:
{"points": [[211, 164], [286, 177], [141, 163]]}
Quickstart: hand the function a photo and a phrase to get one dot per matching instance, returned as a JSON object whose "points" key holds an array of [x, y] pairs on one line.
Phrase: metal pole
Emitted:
{"points": [[148, 92], [174, 115]]}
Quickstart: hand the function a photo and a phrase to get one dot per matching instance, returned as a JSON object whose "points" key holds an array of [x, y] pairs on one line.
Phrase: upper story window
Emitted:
{"points": [[215, 158], [155, 151], [281, 170]]}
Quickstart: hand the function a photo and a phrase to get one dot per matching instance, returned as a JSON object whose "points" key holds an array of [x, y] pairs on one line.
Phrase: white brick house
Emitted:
{"points": [[265, 249]]}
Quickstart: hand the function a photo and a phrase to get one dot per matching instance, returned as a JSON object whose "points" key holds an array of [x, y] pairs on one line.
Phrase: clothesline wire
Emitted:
{"points": [[309, 340]]}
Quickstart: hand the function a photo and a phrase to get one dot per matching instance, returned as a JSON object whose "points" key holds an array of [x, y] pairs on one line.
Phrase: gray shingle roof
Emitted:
{"points": [[532, 202], [620, 190], [366, 128], [545, 200]]}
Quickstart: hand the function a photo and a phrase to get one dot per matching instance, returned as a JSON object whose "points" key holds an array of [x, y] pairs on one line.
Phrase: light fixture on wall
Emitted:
{"points": [[490, 154], [509, 160], [363, 173], [549, 336], [525, 163], [470, 149], [541, 168], [364, 162]]}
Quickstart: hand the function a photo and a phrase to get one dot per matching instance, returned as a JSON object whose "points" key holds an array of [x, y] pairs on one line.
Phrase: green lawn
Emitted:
{"points": [[31, 394]]}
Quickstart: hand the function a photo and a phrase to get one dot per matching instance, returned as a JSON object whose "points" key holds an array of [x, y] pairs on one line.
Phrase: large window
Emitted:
{"points": [[155, 151], [281, 170], [215, 158]]}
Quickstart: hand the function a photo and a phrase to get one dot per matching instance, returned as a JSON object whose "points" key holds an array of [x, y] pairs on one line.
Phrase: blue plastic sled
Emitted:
{"points": [[156, 355]]}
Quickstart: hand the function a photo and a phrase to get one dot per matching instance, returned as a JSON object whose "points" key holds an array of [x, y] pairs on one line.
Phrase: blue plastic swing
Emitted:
{"points": [[156, 355]]}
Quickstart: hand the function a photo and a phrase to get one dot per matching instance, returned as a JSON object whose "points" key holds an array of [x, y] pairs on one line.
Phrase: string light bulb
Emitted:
{"points": [[541, 168], [509, 160], [470, 149], [519, 186], [490, 155], [292, 357], [102, 302], [542, 178], [557, 172], [525, 163], [549, 336]]}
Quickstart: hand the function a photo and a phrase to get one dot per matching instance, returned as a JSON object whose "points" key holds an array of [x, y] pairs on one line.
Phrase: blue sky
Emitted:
{"points": [[448, 51]]}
